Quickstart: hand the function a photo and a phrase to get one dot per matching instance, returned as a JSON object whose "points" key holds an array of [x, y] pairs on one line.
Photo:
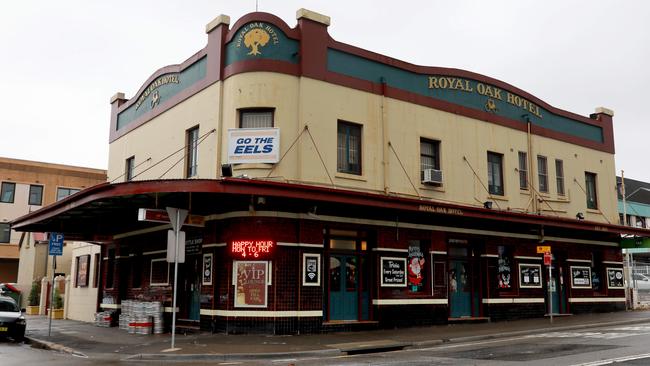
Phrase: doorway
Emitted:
{"points": [[463, 284]]}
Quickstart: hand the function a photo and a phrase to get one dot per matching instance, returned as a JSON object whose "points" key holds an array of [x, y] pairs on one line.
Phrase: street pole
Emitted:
{"points": [[49, 328], [177, 229], [550, 293]]}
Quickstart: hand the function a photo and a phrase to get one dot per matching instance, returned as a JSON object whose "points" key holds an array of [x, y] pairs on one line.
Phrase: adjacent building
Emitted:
{"points": [[27, 186], [331, 187]]}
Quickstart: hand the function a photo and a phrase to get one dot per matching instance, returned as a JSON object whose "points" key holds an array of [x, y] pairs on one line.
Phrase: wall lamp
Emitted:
{"points": [[487, 204], [580, 216]]}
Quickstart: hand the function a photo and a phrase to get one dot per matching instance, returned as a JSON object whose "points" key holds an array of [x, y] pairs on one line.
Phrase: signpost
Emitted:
{"points": [[55, 248], [177, 216], [546, 249]]}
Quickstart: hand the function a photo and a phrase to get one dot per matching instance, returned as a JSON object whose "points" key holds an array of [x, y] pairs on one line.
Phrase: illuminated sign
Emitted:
{"points": [[252, 248]]}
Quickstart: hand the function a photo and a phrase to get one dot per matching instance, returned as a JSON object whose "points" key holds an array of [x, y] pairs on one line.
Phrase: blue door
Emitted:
{"points": [[343, 288], [460, 289]]}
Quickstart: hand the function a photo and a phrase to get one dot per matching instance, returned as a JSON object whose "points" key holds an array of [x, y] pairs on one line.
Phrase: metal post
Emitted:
{"points": [[176, 232], [49, 328], [550, 294]]}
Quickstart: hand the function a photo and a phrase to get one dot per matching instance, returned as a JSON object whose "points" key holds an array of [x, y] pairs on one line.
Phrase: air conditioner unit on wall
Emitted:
{"points": [[432, 176]]}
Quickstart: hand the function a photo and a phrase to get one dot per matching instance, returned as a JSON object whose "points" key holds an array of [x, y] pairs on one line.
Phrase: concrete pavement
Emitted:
{"points": [[85, 339]]}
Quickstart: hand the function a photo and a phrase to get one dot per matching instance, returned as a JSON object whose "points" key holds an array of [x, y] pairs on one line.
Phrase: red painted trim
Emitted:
{"points": [[307, 192], [266, 18], [261, 65]]}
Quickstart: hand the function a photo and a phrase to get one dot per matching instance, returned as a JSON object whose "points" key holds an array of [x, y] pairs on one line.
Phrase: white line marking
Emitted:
{"points": [[613, 360]]}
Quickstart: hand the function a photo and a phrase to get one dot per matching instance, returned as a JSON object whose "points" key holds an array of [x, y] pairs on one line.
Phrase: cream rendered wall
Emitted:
{"points": [[82, 301], [164, 135]]}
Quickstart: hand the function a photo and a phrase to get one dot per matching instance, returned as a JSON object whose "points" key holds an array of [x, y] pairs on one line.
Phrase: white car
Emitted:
{"points": [[641, 281]]}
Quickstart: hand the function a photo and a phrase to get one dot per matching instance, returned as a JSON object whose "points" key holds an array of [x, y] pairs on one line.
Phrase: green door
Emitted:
{"points": [[195, 291], [343, 288], [460, 289], [558, 302]]}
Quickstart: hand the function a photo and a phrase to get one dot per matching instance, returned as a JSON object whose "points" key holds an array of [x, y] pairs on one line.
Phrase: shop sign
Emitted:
{"points": [[253, 145], [252, 249], [207, 269], [82, 270], [250, 281], [152, 89], [311, 269], [615, 278], [393, 272], [580, 277], [415, 268], [541, 249], [193, 246], [156, 215], [530, 275]]}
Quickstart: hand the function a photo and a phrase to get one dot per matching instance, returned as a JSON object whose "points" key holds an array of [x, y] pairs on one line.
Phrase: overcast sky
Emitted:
{"points": [[61, 61]]}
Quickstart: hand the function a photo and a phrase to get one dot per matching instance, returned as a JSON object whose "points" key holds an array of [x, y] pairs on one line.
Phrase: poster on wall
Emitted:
{"points": [[503, 268], [615, 278], [530, 275], [82, 270], [207, 269], [250, 280], [253, 145], [311, 269], [580, 277], [393, 272], [415, 267]]}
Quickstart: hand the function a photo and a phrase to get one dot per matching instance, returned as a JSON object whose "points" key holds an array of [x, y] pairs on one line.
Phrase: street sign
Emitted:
{"points": [[547, 259], [171, 246], [55, 246], [543, 249]]}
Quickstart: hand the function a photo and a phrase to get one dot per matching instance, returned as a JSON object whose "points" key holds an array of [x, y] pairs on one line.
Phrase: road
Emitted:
{"points": [[622, 345]]}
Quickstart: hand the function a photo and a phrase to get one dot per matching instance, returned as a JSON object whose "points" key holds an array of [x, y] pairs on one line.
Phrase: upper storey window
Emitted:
{"points": [[7, 192], [192, 143], [590, 187], [256, 118], [62, 193], [559, 176], [430, 161], [542, 173], [35, 195], [129, 167], [495, 173], [348, 148], [523, 170]]}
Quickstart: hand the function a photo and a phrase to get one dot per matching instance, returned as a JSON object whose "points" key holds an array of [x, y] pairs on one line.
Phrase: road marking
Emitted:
{"points": [[594, 335], [465, 344], [614, 360]]}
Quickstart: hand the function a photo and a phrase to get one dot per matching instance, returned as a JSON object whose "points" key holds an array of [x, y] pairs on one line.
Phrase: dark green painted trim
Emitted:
{"points": [[638, 242], [278, 47], [466, 93], [186, 78]]}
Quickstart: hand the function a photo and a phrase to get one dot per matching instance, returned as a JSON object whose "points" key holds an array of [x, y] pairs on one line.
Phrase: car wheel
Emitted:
{"points": [[19, 337]]}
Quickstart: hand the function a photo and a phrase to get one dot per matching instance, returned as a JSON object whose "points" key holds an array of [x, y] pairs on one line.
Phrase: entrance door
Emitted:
{"points": [[190, 298], [460, 289], [558, 303], [343, 287]]}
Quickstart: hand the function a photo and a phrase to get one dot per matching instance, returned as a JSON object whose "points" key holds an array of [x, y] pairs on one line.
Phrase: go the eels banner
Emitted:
{"points": [[253, 145]]}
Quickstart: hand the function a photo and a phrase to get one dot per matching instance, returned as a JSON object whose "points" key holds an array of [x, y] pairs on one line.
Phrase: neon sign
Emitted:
{"points": [[251, 248]]}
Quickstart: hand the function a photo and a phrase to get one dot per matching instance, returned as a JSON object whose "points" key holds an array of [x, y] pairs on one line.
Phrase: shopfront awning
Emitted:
{"points": [[99, 213]]}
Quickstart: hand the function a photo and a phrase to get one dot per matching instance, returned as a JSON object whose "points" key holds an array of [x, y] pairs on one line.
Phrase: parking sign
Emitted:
{"points": [[56, 244]]}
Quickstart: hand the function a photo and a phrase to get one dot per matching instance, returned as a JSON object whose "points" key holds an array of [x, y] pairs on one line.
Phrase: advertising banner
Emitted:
{"points": [[253, 145]]}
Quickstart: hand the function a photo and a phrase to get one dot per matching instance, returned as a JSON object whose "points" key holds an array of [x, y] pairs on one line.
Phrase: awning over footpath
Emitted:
{"points": [[98, 213]]}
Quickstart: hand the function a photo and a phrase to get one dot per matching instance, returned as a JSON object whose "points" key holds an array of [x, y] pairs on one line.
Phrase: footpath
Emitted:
{"points": [[86, 340]]}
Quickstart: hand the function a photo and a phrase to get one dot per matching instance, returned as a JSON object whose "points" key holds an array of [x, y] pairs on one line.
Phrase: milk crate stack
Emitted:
{"points": [[141, 317]]}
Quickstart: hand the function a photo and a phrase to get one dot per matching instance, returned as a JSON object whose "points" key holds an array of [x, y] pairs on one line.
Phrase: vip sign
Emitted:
{"points": [[253, 145]]}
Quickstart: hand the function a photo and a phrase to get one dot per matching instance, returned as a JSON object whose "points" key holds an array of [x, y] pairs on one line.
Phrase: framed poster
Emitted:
{"points": [[530, 275], [250, 279], [207, 269], [83, 263], [311, 269], [393, 272], [416, 267], [615, 278], [580, 277]]}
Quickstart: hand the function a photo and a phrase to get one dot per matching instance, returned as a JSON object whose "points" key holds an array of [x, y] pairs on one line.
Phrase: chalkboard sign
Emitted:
{"points": [[530, 275], [580, 277], [615, 278], [393, 272]]}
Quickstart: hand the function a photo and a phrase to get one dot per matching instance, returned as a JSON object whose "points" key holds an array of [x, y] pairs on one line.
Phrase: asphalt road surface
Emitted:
{"points": [[622, 345]]}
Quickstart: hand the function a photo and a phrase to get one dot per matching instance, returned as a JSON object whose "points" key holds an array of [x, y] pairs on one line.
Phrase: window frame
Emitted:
{"points": [[4, 190], [559, 177], [129, 167], [7, 230], [346, 167], [542, 173], [151, 283], [40, 197], [81, 278], [191, 152], [70, 192], [523, 170], [491, 174], [243, 111], [435, 157], [591, 189]]}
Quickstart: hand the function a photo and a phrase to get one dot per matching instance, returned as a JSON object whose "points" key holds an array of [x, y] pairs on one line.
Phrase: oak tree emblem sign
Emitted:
{"points": [[255, 39]]}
